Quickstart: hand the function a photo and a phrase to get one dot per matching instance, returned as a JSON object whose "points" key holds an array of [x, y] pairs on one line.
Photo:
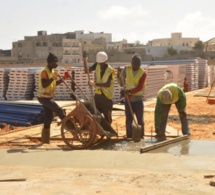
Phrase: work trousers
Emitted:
{"points": [[50, 106], [182, 116], [104, 106], [138, 109]]}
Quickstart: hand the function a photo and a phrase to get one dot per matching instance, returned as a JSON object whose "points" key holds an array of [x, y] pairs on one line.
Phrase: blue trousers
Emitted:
{"points": [[138, 108]]}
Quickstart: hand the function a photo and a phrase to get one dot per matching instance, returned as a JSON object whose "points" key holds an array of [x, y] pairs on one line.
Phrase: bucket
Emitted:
{"points": [[210, 101]]}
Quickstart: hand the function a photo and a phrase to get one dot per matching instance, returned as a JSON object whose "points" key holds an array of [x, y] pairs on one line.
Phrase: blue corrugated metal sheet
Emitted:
{"points": [[21, 114]]}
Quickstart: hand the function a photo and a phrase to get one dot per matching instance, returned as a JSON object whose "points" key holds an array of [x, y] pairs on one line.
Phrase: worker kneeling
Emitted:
{"points": [[170, 94]]}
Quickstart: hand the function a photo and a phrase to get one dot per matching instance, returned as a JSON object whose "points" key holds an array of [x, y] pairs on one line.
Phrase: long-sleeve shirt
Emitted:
{"points": [[137, 88]]}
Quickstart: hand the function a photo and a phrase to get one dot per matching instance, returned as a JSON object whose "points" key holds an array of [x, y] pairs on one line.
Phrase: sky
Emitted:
{"points": [[133, 20]]}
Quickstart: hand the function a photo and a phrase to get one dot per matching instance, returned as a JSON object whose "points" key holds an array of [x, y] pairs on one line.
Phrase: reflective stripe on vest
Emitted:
{"points": [[132, 81], [47, 92], [108, 91]]}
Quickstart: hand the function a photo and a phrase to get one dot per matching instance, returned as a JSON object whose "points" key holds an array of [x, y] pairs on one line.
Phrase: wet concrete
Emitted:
{"points": [[189, 147], [185, 147]]}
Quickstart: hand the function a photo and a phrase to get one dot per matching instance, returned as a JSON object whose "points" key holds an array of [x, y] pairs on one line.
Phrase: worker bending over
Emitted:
{"points": [[170, 94]]}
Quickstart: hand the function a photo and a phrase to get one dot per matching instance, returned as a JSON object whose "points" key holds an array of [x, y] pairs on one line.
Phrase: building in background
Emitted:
{"points": [[158, 47], [35, 49], [69, 47]]}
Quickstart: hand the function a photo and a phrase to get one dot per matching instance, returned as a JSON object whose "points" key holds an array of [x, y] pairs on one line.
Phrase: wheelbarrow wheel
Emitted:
{"points": [[98, 139], [78, 132]]}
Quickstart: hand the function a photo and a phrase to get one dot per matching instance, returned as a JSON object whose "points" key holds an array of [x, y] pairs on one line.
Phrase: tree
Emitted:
{"points": [[199, 46], [137, 43], [171, 51]]}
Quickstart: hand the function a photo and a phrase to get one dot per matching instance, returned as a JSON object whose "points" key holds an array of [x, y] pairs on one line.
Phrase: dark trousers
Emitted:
{"points": [[138, 108], [50, 106], [104, 106]]}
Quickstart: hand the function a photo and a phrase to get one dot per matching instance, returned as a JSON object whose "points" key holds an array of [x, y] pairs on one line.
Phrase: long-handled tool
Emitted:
{"points": [[86, 68], [85, 97], [136, 129]]}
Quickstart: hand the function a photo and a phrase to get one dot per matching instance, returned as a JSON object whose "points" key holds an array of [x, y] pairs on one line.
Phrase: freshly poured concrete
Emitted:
{"points": [[185, 147], [106, 172]]}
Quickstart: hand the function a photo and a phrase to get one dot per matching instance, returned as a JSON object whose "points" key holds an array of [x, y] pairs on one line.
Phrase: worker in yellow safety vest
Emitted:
{"points": [[133, 77], [48, 80], [170, 94], [104, 85]]}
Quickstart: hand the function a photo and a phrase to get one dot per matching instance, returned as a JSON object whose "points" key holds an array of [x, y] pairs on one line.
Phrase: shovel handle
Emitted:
{"points": [[129, 103], [86, 68]]}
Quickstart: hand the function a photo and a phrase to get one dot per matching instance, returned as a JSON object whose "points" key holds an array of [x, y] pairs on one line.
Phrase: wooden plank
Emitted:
{"points": [[164, 143], [13, 179]]}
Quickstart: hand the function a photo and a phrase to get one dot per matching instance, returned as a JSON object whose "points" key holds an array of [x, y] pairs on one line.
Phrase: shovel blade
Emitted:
{"points": [[136, 133]]}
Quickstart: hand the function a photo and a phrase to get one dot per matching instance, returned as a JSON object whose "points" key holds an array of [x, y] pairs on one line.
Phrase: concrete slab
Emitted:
{"points": [[104, 172]]}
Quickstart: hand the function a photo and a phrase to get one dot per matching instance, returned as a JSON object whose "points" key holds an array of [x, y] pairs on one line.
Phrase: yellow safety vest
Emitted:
{"points": [[107, 91], [173, 87], [49, 91], [133, 81]]}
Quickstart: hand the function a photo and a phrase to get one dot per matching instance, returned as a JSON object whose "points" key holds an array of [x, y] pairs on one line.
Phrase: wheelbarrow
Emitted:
{"points": [[83, 128]]}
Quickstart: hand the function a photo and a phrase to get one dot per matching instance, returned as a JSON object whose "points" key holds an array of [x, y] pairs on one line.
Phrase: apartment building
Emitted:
{"points": [[36, 48], [210, 45], [93, 35], [68, 46], [176, 39], [158, 47]]}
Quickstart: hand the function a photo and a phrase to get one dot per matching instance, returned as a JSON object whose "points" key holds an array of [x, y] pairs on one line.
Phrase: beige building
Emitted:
{"points": [[36, 48], [98, 44], [158, 47], [210, 45], [93, 35], [176, 40]]}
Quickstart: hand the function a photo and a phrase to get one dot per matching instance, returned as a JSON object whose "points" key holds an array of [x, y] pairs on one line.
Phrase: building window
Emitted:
{"points": [[38, 44]]}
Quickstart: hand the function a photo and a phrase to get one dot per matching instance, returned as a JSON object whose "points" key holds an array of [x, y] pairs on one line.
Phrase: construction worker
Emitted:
{"points": [[133, 78], [104, 85], [48, 80], [186, 86], [170, 94]]}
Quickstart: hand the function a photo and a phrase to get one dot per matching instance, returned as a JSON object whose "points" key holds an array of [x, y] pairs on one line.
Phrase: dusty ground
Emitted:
{"points": [[201, 116], [48, 171]]}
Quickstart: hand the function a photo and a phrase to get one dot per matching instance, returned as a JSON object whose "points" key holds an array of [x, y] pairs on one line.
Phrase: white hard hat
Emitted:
{"points": [[101, 57]]}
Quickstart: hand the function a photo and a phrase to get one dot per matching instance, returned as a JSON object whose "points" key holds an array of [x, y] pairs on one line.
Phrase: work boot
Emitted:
{"points": [[161, 138], [45, 137]]}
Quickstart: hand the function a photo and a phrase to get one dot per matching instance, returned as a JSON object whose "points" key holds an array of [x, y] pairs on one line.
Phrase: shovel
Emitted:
{"points": [[136, 129], [86, 69]]}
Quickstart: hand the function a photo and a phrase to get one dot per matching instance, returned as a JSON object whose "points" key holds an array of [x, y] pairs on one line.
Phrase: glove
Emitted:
{"points": [[127, 92], [66, 75], [55, 75], [91, 83]]}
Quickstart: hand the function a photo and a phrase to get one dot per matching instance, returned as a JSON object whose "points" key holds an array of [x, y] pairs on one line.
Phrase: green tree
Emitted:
{"points": [[171, 51], [199, 46], [137, 43]]}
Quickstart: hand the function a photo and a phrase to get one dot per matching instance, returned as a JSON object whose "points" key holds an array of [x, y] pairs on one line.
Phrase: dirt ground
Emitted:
{"points": [[201, 116], [50, 171]]}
